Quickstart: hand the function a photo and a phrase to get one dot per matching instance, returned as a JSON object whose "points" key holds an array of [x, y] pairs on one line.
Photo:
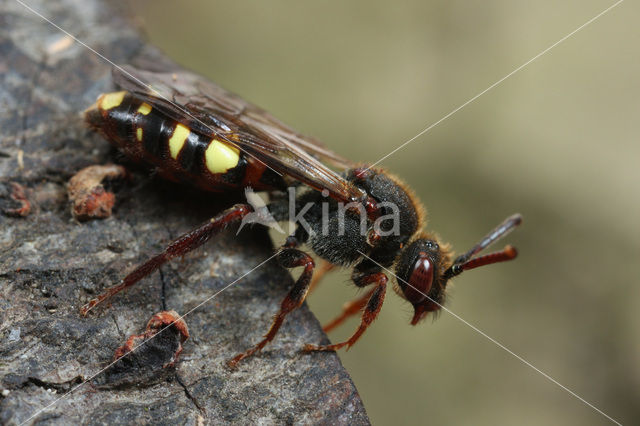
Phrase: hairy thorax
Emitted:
{"points": [[340, 233]]}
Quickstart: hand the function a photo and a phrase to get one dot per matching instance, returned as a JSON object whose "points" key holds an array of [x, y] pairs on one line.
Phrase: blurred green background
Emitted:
{"points": [[558, 141]]}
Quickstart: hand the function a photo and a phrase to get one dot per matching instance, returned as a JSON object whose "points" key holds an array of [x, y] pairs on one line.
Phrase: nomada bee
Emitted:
{"points": [[193, 131]]}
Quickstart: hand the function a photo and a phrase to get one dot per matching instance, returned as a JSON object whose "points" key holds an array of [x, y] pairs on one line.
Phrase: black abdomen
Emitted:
{"points": [[145, 134]]}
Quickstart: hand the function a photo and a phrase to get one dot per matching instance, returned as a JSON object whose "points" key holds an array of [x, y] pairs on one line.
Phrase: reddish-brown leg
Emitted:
{"points": [[289, 258], [179, 247], [320, 272], [349, 309], [370, 313]]}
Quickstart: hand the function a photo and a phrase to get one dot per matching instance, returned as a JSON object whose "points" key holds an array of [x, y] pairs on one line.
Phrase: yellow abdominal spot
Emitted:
{"points": [[179, 137], [111, 100], [221, 157], [139, 134], [144, 109]]}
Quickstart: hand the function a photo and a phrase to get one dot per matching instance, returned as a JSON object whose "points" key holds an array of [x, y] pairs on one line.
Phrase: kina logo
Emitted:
{"points": [[260, 214]]}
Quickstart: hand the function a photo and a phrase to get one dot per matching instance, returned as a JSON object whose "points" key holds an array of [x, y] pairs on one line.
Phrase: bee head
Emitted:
{"points": [[425, 267]]}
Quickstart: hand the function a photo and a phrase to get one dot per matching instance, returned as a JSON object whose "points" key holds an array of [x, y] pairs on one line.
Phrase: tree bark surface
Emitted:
{"points": [[54, 362]]}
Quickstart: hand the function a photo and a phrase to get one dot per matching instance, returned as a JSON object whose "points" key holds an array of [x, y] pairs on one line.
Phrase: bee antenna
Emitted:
{"points": [[466, 261]]}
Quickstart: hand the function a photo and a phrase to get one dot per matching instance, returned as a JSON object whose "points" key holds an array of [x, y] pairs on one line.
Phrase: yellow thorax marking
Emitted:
{"points": [[144, 109], [179, 137], [111, 100], [139, 134], [221, 157]]}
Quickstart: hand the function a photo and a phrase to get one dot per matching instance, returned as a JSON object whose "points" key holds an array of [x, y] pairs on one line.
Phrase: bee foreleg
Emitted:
{"points": [[371, 310], [289, 258], [179, 247]]}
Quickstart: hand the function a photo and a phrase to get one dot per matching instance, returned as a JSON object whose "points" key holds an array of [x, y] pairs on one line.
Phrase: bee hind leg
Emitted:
{"points": [[179, 247]]}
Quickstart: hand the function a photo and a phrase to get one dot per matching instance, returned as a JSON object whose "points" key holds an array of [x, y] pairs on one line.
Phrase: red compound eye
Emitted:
{"points": [[420, 281]]}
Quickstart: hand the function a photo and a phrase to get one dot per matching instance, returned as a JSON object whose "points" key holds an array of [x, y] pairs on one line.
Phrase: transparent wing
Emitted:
{"points": [[208, 109]]}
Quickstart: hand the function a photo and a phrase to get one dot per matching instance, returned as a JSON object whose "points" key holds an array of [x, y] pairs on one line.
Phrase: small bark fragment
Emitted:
{"points": [[89, 199], [157, 322], [19, 195]]}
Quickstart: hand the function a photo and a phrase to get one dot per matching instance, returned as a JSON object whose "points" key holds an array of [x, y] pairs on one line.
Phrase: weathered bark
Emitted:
{"points": [[50, 264]]}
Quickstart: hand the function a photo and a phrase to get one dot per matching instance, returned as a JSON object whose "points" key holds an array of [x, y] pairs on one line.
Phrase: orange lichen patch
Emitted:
{"points": [[19, 195], [89, 199], [156, 324]]}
